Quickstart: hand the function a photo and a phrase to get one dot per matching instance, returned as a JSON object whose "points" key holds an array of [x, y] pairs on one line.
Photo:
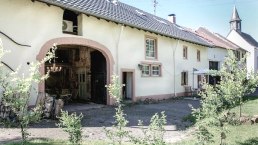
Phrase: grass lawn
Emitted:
{"points": [[245, 134], [56, 142]]}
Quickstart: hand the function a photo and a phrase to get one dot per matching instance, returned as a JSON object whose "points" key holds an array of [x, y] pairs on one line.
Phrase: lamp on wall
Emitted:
{"points": [[140, 66], [54, 68]]}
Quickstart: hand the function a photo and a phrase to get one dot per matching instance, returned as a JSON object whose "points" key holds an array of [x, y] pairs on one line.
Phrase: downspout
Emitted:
{"points": [[117, 48], [174, 64]]}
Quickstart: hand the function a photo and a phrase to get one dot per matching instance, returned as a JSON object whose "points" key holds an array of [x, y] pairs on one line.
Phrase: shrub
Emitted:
{"points": [[217, 100], [118, 132], [72, 125], [154, 134]]}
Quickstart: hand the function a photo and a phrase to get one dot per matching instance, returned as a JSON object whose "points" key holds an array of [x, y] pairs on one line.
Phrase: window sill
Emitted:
{"points": [[151, 76], [151, 58], [72, 33]]}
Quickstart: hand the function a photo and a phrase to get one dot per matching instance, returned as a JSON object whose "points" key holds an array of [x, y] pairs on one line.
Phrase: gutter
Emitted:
{"points": [[120, 22], [117, 48], [174, 64]]}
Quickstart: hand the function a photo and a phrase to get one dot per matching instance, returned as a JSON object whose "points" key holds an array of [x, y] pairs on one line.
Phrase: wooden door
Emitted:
{"points": [[82, 85]]}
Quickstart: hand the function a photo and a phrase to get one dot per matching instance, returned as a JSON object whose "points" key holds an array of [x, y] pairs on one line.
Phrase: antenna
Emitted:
{"points": [[155, 3]]}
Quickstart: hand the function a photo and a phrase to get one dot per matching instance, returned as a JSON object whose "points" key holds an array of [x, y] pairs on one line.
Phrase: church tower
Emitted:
{"points": [[235, 22]]}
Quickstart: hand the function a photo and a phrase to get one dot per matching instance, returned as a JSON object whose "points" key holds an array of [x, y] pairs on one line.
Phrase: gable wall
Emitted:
{"points": [[252, 55]]}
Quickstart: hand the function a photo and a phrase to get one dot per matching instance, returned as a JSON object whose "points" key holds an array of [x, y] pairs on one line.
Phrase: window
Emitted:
{"points": [[151, 48], [151, 70], [213, 65], [198, 55], [243, 54], [199, 81], [237, 55], [185, 52], [155, 70], [184, 78], [145, 70]]}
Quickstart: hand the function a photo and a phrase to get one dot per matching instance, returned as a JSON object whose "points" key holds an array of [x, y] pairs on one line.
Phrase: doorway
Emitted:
{"points": [[82, 83], [98, 78], [129, 84], [82, 77], [73, 43]]}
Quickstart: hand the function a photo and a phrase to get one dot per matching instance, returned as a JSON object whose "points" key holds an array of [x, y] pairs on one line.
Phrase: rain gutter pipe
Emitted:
{"points": [[174, 64], [117, 48]]}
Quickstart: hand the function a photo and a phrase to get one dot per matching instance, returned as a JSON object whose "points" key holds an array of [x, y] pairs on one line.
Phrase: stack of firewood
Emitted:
{"points": [[52, 107], [6, 112]]}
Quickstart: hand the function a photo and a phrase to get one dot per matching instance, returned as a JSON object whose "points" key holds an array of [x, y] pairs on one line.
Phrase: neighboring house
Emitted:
{"points": [[244, 40], [154, 57], [219, 50]]}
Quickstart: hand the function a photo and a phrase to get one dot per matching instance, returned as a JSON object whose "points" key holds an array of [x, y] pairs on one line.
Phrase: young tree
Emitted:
{"points": [[118, 133], [217, 100], [236, 81], [17, 92], [154, 134], [72, 125]]}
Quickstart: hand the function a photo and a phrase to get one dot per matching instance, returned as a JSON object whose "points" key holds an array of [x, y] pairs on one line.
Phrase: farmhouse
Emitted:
{"points": [[219, 51], [154, 57]]}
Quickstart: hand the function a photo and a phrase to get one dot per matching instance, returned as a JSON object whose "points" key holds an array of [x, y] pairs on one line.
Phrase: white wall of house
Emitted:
{"points": [[131, 52], [217, 54], [35, 23], [190, 63], [30, 23], [252, 55]]}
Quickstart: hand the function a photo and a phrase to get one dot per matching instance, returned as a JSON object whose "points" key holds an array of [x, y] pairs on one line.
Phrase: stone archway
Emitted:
{"points": [[77, 41]]}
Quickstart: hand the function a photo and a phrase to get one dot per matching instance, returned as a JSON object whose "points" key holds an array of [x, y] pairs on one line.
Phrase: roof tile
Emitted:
{"points": [[128, 15]]}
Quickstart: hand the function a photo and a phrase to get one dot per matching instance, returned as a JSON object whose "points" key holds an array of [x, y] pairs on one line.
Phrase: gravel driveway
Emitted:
{"points": [[97, 116]]}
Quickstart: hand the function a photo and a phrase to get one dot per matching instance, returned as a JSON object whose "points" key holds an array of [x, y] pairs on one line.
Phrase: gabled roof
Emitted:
{"points": [[216, 39], [125, 14], [248, 38]]}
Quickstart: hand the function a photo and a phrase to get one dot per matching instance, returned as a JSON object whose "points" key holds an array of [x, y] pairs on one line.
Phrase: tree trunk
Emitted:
{"points": [[23, 135], [240, 107]]}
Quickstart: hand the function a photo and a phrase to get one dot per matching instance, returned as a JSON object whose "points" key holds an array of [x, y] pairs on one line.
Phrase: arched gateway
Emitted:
{"points": [[99, 50]]}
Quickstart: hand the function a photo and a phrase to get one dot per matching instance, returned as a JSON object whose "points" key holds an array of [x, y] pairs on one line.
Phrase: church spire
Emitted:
{"points": [[235, 22]]}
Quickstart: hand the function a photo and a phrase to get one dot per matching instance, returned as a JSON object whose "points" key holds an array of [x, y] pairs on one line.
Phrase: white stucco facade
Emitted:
{"points": [[217, 54], [252, 57], [35, 23]]}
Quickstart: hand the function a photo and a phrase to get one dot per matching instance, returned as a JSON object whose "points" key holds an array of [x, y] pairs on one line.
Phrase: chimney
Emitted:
{"points": [[172, 18]]}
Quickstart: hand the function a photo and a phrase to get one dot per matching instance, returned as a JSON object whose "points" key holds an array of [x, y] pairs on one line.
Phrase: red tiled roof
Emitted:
{"points": [[216, 39]]}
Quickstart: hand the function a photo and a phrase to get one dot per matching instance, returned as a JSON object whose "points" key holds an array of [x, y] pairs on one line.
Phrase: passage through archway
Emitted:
{"points": [[86, 69]]}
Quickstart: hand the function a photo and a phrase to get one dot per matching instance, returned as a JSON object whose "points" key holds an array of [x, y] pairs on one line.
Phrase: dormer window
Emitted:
{"points": [[70, 22]]}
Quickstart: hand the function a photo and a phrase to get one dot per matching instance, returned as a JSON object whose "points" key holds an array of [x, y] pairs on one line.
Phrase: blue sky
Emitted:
{"points": [[212, 14]]}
